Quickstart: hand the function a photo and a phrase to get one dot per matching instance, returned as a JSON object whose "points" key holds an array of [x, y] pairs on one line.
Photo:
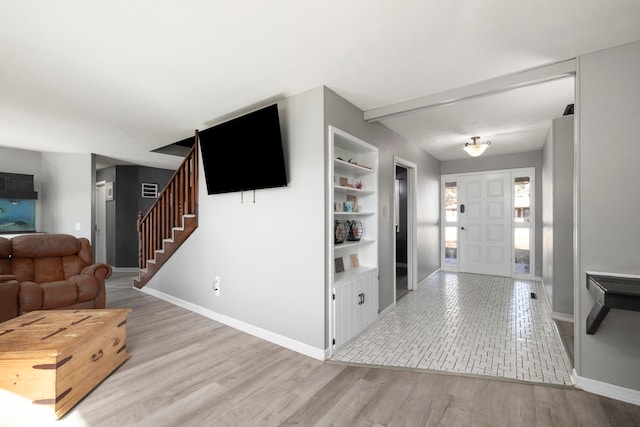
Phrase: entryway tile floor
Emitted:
{"points": [[469, 324]]}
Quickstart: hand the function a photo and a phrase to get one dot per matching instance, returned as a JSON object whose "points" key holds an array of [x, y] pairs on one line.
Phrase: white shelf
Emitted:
{"points": [[351, 244], [351, 273], [349, 168], [353, 213], [341, 188]]}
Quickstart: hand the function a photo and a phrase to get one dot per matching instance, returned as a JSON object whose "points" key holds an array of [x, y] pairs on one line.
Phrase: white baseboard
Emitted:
{"points": [[387, 310], [563, 317], [605, 389], [437, 270], [125, 269], [327, 353], [281, 340]]}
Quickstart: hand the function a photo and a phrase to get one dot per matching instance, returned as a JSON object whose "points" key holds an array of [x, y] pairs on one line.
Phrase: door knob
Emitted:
{"points": [[462, 228]]}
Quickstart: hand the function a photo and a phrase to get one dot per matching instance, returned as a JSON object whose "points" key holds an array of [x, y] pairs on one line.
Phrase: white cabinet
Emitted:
{"points": [[355, 304], [352, 235]]}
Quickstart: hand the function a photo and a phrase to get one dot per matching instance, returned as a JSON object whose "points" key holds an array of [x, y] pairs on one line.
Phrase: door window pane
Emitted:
{"points": [[522, 199], [522, 240], [451, 201], [451, 246]]}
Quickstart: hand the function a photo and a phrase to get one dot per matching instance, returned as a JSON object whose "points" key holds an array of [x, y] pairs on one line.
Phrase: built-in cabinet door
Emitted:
{"points": [[344, 315], [355, 306], [369, 306]]}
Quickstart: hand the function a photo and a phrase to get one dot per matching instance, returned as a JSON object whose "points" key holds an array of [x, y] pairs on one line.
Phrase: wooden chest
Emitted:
{"points": [[54, 358]]}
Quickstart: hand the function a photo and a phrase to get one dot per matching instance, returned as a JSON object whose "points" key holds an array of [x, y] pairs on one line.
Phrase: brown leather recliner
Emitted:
{"points": [[49, 272]]}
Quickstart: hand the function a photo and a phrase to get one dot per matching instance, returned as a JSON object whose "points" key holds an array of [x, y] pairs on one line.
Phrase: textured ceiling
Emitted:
{"points": [[514, 121], [121, 78]]}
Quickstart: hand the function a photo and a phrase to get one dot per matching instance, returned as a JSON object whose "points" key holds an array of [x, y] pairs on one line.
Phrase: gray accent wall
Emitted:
{"points": [[507, 161], [608, 224], [557, 214], [345, 116]]}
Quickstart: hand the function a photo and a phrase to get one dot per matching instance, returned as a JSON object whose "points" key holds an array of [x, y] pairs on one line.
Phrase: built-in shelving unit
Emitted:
{"points": [[339, 188], [353, 293]]}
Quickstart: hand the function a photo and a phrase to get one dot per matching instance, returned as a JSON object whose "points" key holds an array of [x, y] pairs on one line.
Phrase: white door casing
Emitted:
{"points": [[101, 223], [411, 222]]}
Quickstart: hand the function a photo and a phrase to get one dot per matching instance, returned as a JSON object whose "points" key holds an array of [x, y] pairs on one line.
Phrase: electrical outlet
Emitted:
{"points": [[216, 286]]}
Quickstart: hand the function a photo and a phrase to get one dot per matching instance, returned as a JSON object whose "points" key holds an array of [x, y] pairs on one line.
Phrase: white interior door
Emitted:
{"points": [[485, 202], [101, 224]]}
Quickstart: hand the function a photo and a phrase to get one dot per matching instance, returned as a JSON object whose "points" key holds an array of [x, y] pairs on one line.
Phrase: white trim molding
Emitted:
{"points": [[126, 269], [563, 317], [605, 389], [412, 222], [281, 340], [387, 310], [436, 271], [498, 84]]}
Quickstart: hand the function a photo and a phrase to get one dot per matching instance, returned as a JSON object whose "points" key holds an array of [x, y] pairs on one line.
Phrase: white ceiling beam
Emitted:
{"points": [[488, 87]]}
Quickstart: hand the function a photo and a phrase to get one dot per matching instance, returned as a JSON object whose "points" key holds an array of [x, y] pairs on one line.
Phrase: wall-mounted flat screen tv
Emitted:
{"points": [[244, 153]]}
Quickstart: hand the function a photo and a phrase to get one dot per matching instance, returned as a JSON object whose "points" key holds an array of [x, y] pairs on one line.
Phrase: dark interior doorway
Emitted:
{"points": [[402, 283]]}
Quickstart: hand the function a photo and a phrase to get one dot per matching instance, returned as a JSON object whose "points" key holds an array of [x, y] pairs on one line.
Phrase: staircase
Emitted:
{"points": [[171, 220]]}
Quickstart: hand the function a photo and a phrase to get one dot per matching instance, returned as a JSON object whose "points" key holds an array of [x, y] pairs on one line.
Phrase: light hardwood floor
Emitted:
{"points": [[187, 370]]}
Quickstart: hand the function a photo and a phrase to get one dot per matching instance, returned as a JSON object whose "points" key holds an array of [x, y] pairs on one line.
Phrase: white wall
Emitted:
{"points": [[557, 214], [547, 214], [67, 188], [608, 108], [270, 255], [28, 163]]}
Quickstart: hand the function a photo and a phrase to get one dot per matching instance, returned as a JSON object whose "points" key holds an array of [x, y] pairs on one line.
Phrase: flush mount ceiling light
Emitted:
{"points": [[475, 148]]}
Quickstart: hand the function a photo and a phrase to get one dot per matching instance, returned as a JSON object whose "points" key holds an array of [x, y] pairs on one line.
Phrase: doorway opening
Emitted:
{"points": [[100, 247], [404, 214], [402, 283]]}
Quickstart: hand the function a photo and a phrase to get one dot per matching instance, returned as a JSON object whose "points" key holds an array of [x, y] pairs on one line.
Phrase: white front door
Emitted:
{"points": [[484, 211]]}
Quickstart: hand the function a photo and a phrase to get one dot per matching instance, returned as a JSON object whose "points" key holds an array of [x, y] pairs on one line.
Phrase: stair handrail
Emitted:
{"points": [[178, 198]]}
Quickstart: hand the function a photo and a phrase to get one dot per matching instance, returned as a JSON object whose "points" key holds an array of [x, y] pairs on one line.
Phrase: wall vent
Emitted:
{"points": [[149, 191]]}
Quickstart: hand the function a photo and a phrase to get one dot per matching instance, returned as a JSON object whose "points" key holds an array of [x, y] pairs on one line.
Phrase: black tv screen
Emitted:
{"points": [[244, 153]]}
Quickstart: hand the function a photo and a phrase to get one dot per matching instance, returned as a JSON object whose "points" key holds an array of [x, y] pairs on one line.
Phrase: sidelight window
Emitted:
{"points": [[451, 224], [522, 225]]}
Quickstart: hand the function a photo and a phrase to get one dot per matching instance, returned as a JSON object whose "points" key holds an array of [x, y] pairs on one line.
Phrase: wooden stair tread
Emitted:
{"points": [[169, 247], [171, 219]]}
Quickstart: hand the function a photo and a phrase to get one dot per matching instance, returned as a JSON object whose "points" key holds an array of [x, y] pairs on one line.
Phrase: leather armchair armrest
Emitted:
{"points": [[9, 305], [30, 297], [101, 271]]}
